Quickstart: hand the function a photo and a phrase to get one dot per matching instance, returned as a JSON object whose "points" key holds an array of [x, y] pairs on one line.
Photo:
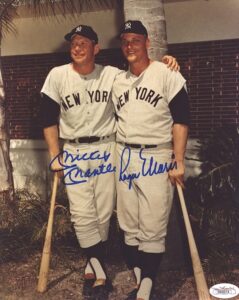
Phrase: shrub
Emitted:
{"points": [[213, 201]]}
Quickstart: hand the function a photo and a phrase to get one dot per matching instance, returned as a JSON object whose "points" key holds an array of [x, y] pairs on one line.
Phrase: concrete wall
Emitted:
{"points": [[187, 21]]}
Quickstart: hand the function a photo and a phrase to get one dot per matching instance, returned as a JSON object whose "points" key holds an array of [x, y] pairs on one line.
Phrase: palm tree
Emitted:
{"points": [[151, 14], [8, 10]]}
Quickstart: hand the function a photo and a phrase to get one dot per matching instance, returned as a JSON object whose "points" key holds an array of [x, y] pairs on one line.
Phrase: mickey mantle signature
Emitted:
{"points": [[73, 174]]}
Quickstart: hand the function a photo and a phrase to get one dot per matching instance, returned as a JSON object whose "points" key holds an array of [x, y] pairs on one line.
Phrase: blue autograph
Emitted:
{"points": [[152, 168], [73, 174]]}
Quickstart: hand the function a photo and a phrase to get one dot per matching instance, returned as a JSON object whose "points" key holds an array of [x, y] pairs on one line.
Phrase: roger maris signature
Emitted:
{"points": [[150, 167], [74, 174]]}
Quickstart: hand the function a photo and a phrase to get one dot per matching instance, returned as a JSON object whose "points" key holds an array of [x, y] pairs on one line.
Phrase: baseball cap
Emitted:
{"points": [[133, 26], [83, 30]]}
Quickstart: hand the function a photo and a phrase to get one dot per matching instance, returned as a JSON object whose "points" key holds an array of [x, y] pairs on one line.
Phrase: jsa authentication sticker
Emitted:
{"points": [[224, 290]]}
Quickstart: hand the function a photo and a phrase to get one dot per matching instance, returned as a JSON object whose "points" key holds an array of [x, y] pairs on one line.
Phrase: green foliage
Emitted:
{"points": [[7, 209], [26, 234], [213, 201]]}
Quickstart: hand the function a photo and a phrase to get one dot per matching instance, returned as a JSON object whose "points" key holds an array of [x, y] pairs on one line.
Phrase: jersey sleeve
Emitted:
{"points": [[53, 111], [174, 83], [179, 108], [51, 85]]}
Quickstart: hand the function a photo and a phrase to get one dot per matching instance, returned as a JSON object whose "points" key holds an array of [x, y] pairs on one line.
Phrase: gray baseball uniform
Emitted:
{"points": [[144, 118], [87, 111]]}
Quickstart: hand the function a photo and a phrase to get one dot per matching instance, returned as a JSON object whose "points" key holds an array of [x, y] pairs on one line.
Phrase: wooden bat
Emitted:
{"points": [[202, 288], [46, 252]]}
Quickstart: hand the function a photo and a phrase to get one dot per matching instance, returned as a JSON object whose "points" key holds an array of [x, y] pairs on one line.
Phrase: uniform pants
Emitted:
{"points": [[143, 211], [92, 202]]}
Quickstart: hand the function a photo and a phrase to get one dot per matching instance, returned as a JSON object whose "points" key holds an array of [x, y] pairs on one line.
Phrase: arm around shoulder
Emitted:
{"points": [[171, 62]]}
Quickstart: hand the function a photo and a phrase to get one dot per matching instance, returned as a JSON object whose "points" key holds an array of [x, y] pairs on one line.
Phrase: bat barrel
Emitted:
{"points": [[201, 283], [46, 253]]}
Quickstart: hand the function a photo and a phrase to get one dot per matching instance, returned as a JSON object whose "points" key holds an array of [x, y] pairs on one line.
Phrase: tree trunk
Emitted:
{"points": [[151, 14], [6, 178]]}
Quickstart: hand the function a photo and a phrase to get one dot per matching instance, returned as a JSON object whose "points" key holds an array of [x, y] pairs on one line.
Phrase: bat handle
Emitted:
{"points": [[201, 283], [46, 253]]}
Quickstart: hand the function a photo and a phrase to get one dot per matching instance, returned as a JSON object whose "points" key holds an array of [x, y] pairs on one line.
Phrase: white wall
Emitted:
{"points": [[187, 21], [30, 165], [201, 20], [46, 35]]}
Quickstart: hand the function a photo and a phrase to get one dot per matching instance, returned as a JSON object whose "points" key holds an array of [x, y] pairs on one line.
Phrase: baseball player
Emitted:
{"points": [[77, 99], [152, 109]]}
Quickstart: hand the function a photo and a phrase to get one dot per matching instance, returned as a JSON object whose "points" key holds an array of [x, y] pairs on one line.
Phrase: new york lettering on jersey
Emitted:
{"points": [[140, 93], [75, 99]]}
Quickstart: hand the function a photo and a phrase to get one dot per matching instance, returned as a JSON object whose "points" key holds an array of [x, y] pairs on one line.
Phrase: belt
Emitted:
{"points": [[167, 145], [138, 146], [90, 139]]}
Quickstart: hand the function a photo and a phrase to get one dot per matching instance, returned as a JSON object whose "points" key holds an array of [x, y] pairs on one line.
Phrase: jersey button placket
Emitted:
{"points": [[128, 118], [87, 102], [86, 96]]}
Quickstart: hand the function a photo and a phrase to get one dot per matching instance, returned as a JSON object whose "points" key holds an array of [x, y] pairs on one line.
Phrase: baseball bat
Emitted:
{"points": [[201, 284], [46, 252]]}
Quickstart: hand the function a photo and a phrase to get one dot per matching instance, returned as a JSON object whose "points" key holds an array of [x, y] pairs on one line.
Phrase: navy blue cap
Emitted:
{"points": [[134, 26], [83, 30]]}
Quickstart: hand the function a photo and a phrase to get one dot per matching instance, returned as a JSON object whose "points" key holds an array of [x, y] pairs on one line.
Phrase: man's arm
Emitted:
{"points": [[50, 129], [179, 108], [180, 135], [52, 139]]}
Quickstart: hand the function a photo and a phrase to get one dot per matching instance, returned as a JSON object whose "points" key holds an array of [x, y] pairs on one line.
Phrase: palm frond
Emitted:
{"points": [[44, 8], [7, 13]]}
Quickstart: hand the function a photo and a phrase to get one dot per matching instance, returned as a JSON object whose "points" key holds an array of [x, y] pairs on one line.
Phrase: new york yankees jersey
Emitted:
{"points": [[85, 100], [142, 104]]}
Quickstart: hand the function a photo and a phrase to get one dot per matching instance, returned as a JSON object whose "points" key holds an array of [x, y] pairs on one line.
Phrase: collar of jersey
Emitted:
{"points": [[87, 76]]}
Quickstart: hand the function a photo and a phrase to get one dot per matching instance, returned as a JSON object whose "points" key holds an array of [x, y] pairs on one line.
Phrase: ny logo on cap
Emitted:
{"points": [[128, 25], [78, 29]]}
